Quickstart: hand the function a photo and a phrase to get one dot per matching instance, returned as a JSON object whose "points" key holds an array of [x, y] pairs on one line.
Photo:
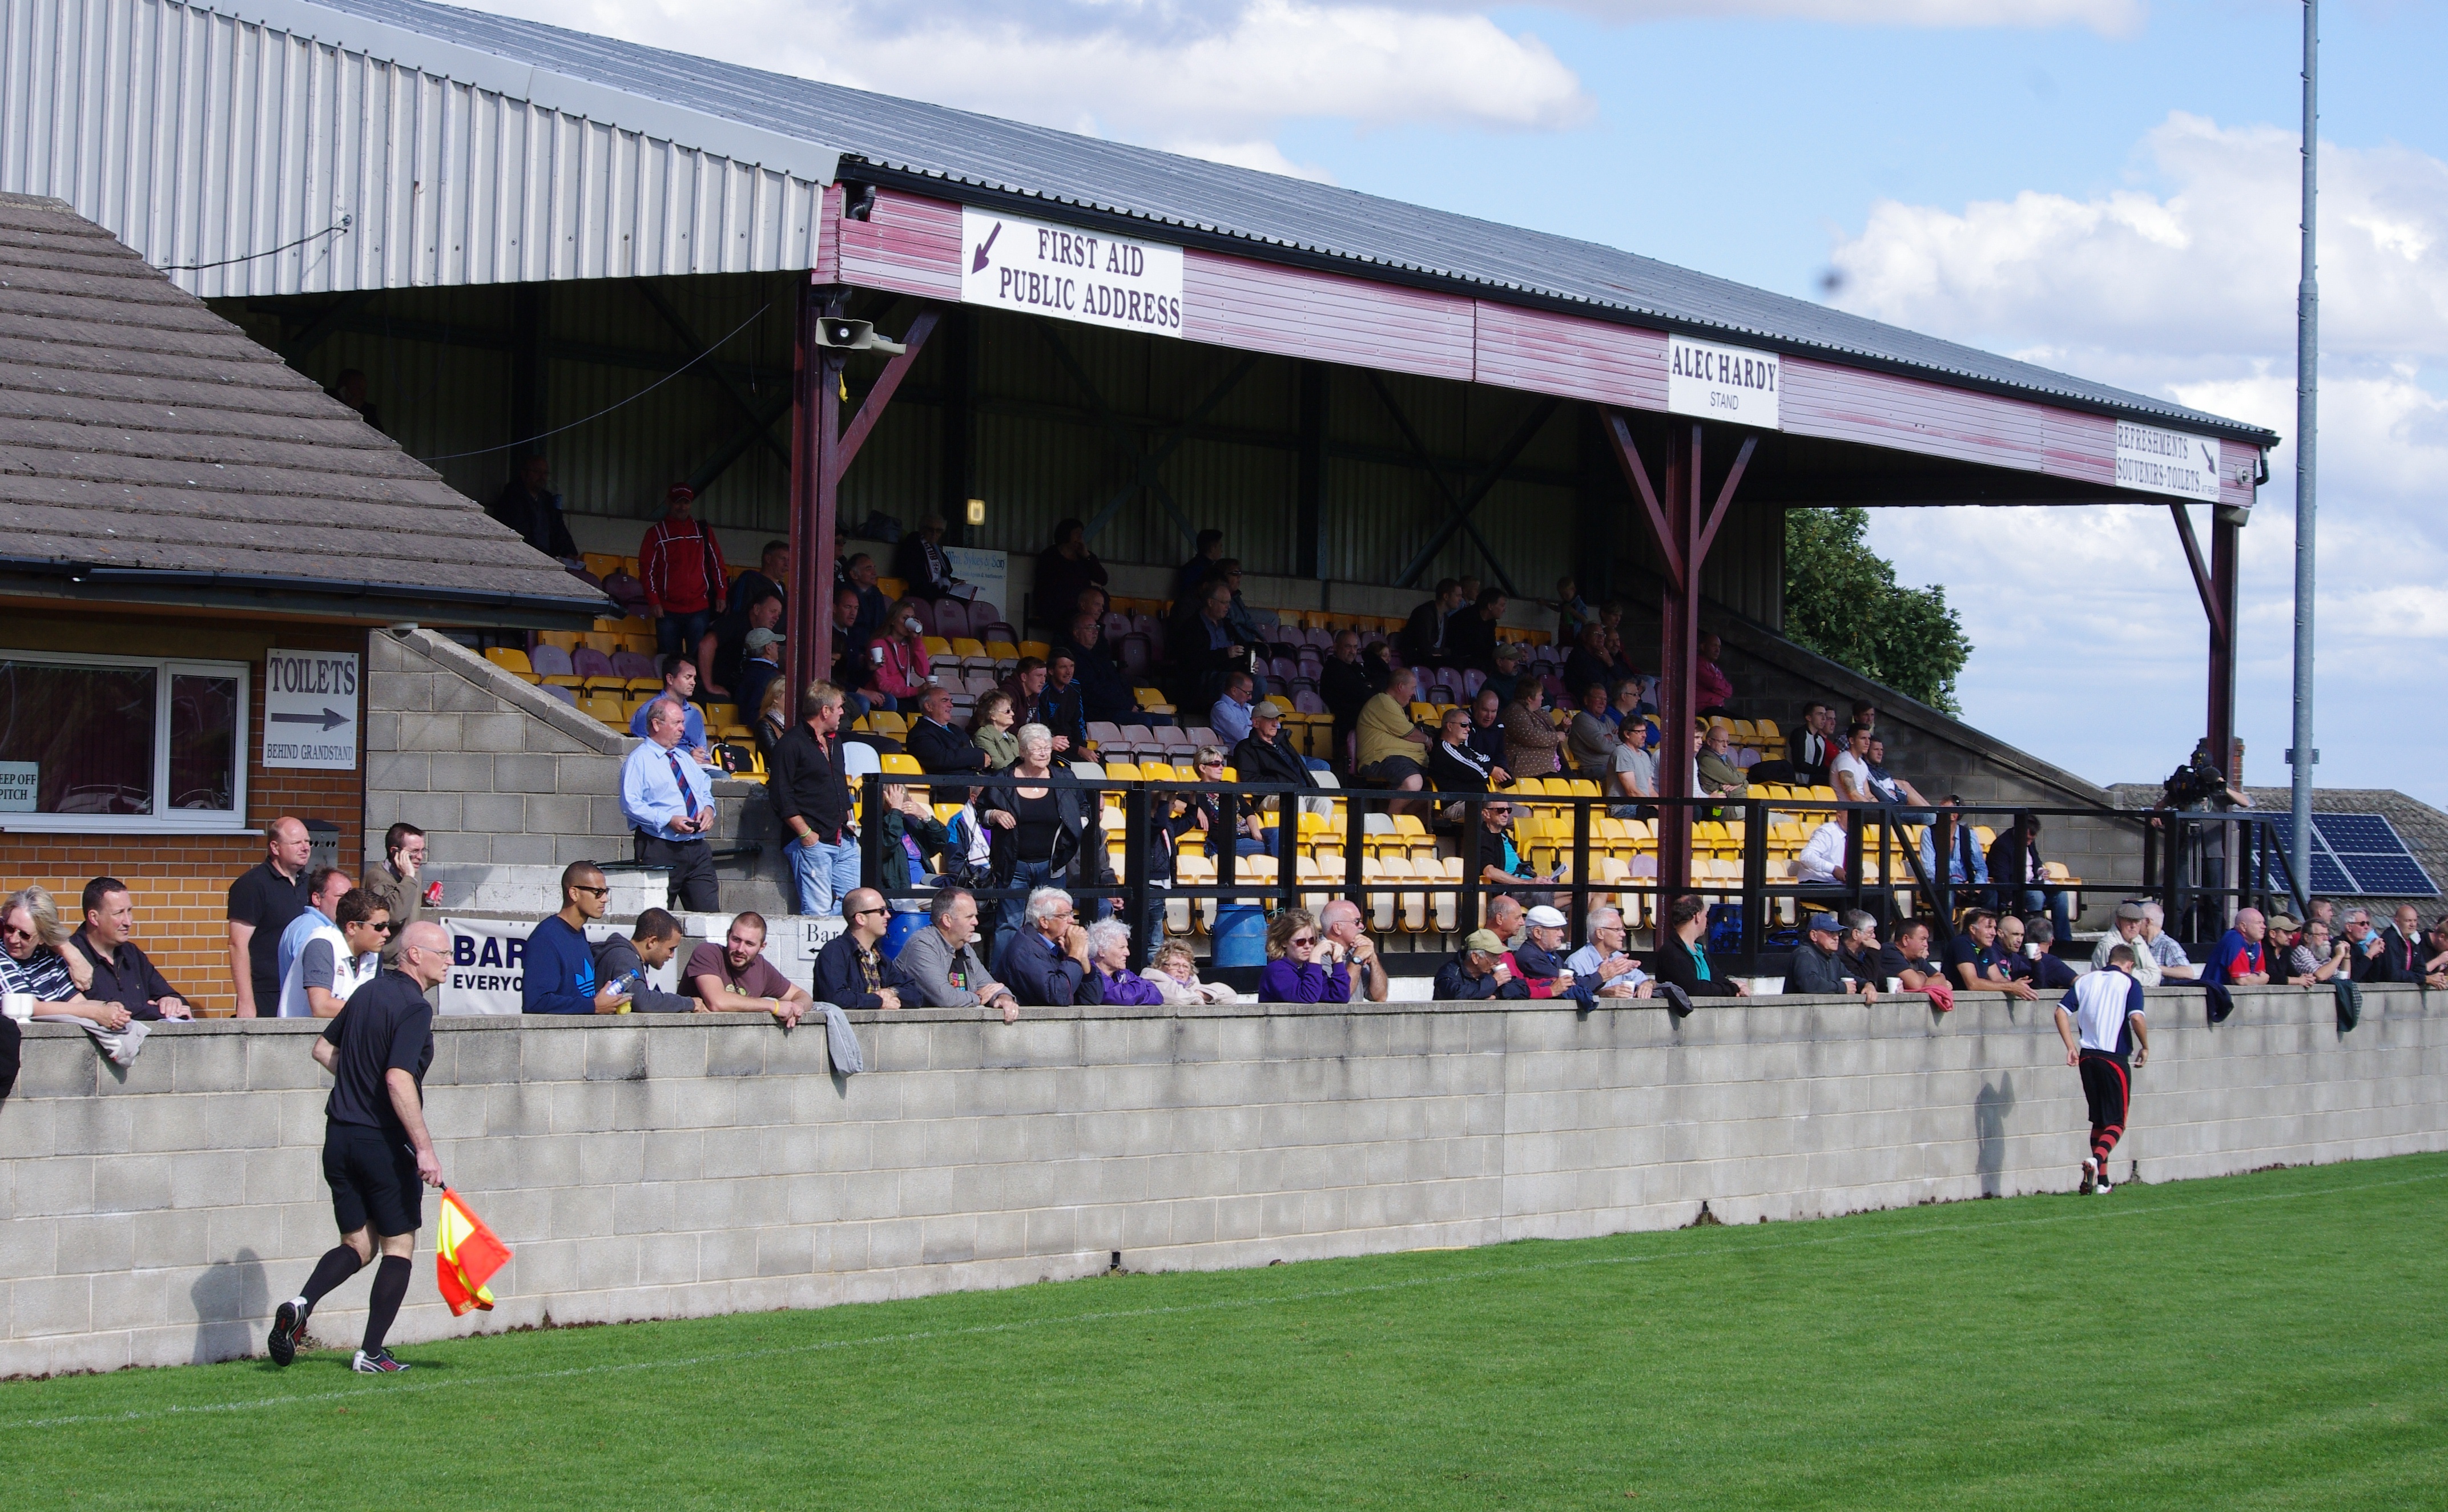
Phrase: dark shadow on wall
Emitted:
{"points": [[233, 1304], [1989, 1109]]}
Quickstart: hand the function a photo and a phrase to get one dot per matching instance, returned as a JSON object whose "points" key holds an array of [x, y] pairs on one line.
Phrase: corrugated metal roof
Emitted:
{"points": [[143, 436], [1264, 214]]}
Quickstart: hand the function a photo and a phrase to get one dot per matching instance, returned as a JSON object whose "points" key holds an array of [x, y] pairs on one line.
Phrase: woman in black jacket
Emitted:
{"points": [[1682, 961], [1045, 836]]}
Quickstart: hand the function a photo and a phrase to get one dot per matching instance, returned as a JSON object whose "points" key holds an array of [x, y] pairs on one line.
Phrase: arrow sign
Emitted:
{"points": [[978, 260], [329, 719]]}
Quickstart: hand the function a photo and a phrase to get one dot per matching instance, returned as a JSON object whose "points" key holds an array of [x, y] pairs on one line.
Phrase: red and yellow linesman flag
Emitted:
{"points": [[465, 1254]]}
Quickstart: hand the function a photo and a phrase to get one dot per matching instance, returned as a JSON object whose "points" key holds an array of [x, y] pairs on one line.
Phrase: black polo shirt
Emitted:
{"points": [[264, 898], [387, 1026]]}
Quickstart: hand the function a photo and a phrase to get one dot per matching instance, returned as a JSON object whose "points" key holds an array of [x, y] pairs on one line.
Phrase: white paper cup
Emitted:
{"points": [[18, 1005], [1895, 983]]}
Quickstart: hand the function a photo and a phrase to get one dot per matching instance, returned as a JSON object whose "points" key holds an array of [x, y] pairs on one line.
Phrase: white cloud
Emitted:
{"points": [[2116, 18], [2183, 287]]}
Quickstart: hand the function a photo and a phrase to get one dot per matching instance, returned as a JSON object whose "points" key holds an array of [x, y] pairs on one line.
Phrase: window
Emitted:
{"points": [[92, 742]]}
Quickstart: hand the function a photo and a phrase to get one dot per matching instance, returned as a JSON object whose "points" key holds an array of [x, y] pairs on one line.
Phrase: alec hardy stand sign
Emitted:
{"points": [[309, 710]]}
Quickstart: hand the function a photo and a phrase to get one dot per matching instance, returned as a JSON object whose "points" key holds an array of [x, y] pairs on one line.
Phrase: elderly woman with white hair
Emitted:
{"points": [[1044, 835], [1109, 956]]}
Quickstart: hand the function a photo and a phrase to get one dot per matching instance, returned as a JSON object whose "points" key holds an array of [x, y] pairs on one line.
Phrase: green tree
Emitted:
{"points": [[1842, 600]]}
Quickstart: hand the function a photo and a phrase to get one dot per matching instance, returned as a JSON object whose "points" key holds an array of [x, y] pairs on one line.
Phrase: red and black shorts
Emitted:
{"points": [[2108, 1086]]}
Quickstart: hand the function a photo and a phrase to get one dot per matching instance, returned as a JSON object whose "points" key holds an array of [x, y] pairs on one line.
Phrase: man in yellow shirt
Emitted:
{"points": [[1390, 746]]}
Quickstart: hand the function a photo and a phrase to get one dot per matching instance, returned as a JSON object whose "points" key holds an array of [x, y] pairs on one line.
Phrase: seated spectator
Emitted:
{"points": [[2046, 969], [1892, 789], [2126, 928], [1572, 612], [37, 964], [1349, 680], [1344, 941], [2403, 943], [851, 971], [1711, 688], [1105, 693], [1200, 811], [1201, 565], [1045, 960], [1632, 772], [1202, 648], [1174, 972], [734, 977], [874, 609], [1246, 628], [2021, 878], [1264, 756], [1858, 951], [1064, 708], [1477, 972], [913, 854], [1533, 746], [1714, 768], [122, 974], [1809, 748], [1602, 962], [1907, 960], [903, 668], [1850, 773], [2236, 960], [1423, 637], [854, 667], [941, 749], [680, 682], [1109, 962], [336, 959], [1293, 973], [1390, 745], [559, 976], [1592, 738], [1506, 915], [1815, 967], [2367, 958], [1457, 766], [2318, 958], [1505, 682], [1503, 864], [1822, 858], [1487, 724], [1976, 962], [1064, 569], [761, 664], [772, 720], [2435, 970], [1470, 635], [941, 961], [925, 571], [990, 730], [1538, 960], [1967, 865], [1589, 662], [719, 651], [1228, 716], [2164, 952], [622, 963], [2278, 949], [1680, 959]]}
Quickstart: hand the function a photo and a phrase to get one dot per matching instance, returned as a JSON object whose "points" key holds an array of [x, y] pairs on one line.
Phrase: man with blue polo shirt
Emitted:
{"points": [[669, 804]]}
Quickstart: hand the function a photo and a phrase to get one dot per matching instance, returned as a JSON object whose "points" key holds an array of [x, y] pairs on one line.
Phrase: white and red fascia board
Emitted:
{"points": [[912, 244]]}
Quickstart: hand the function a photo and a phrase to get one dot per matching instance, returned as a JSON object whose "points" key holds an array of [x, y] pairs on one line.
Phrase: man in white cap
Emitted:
{"points": [[1815, 967], [1540, 958], [761, 664]]}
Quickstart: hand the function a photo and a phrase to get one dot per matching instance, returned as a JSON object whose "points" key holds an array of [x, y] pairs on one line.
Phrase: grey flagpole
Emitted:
{"points": [[2308, 394]]}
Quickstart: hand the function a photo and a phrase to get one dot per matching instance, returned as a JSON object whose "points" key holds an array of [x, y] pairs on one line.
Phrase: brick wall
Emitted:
{"points": [[181, 882], [668, 1165]]}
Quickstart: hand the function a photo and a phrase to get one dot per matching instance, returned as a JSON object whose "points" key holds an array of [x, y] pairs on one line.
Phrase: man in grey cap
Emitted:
{"points": [[1264, 755], [1815, 967], [2127, 933]]}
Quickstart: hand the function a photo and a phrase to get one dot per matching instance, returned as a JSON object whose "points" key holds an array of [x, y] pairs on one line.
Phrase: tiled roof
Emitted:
{"points": [[969, 156], [145, 440]]}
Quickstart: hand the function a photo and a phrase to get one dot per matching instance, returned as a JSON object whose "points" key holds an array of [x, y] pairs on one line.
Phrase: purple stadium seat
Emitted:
{"points": [[634, 664], [1137, 656], [589, 662], [1307, 701], [984, 611], [951, 619], [1115, 624], [567, 695], [549, 662], [993, 631]]}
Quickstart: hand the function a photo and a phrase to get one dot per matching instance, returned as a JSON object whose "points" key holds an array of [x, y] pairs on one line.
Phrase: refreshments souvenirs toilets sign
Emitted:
{"points": [[1073, 274]]}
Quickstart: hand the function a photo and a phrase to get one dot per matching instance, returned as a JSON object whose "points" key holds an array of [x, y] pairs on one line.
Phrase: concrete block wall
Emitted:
{"points": [[511, 785], [707, 1164]]}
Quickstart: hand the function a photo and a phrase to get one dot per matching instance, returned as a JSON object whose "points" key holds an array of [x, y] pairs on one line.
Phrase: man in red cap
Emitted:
{"points": [[681, 563]]}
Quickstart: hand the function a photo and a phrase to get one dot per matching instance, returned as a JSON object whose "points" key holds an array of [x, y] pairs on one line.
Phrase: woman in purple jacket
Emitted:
{"points": [[1109, 950], [1291, 974]]}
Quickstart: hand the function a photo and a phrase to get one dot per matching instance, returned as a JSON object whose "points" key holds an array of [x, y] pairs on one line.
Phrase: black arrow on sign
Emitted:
{"points": [[329, 717]]}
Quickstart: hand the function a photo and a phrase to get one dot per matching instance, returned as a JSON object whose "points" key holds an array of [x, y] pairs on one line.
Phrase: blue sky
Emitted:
{"points": [[2109, 189]]}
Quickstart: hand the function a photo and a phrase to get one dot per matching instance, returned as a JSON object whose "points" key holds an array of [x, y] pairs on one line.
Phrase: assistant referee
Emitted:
{"points": [[375, 1147]]}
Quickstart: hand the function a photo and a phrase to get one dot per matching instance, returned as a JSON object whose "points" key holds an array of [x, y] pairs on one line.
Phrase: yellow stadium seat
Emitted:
{"points": [[897, 761], [1036, 648]]}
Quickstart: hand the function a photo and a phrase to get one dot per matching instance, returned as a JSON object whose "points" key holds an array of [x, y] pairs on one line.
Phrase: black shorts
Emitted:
{"points": [[1392, 771], [2107, 1085], [374, 1180]]}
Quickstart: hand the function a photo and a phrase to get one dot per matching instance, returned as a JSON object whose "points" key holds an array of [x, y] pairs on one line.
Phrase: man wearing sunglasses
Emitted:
{"points": [[851, 971], [337, 957], [559, 976]]}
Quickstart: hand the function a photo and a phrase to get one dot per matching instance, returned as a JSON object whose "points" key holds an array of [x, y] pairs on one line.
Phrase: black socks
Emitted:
{"points": [[339, 1262], [382, 1305]]}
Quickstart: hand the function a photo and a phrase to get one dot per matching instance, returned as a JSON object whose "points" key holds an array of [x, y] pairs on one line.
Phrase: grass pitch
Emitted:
{"points": [[2269, 1340]]}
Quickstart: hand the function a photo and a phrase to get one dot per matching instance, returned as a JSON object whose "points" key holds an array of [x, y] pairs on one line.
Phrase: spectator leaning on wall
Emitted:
{"points": [[734, 977], [621, 964], [560, 975]]}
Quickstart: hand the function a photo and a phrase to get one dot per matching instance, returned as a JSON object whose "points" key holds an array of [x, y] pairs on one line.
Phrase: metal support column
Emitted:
{"points": [[1308, 503], [1678, 653], [2227, 573], [960, 425], [530, 322], [815, 433]]}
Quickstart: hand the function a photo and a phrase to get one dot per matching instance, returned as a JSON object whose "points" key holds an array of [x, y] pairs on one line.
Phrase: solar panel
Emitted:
{"points": [[2361, 855]]}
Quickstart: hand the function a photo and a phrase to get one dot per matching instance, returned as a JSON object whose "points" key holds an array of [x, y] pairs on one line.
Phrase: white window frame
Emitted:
{"points": [[161, 820]]}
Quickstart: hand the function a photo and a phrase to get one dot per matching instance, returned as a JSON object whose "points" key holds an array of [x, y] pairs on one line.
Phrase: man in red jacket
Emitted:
{"points": [[681, 563]]}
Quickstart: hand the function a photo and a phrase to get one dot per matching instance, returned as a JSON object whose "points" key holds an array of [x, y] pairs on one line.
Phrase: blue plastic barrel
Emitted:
{"points": [[1241, 934], [897, 934]]}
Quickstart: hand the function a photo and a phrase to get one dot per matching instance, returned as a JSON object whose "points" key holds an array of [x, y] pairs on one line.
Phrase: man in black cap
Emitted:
{"points": [[376, 1146]]}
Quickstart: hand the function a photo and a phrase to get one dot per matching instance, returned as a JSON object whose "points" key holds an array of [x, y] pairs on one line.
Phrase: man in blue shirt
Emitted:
{"points": [[1045, 960], [1230, 717], [2237, 962], [324, 891], [1966, 864], [559, 976], [669, 804], [680, 682]]}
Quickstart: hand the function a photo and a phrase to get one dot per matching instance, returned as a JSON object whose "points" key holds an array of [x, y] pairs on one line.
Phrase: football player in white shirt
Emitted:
{"points": [[2101, 1020]]}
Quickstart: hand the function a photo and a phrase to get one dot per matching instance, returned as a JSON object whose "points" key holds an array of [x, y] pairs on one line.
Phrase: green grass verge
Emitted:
{"points": [[2269, 1340]]}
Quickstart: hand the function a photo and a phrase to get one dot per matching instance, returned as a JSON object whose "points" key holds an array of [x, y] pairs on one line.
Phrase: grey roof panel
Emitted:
{"points": [[1189, 195]]}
